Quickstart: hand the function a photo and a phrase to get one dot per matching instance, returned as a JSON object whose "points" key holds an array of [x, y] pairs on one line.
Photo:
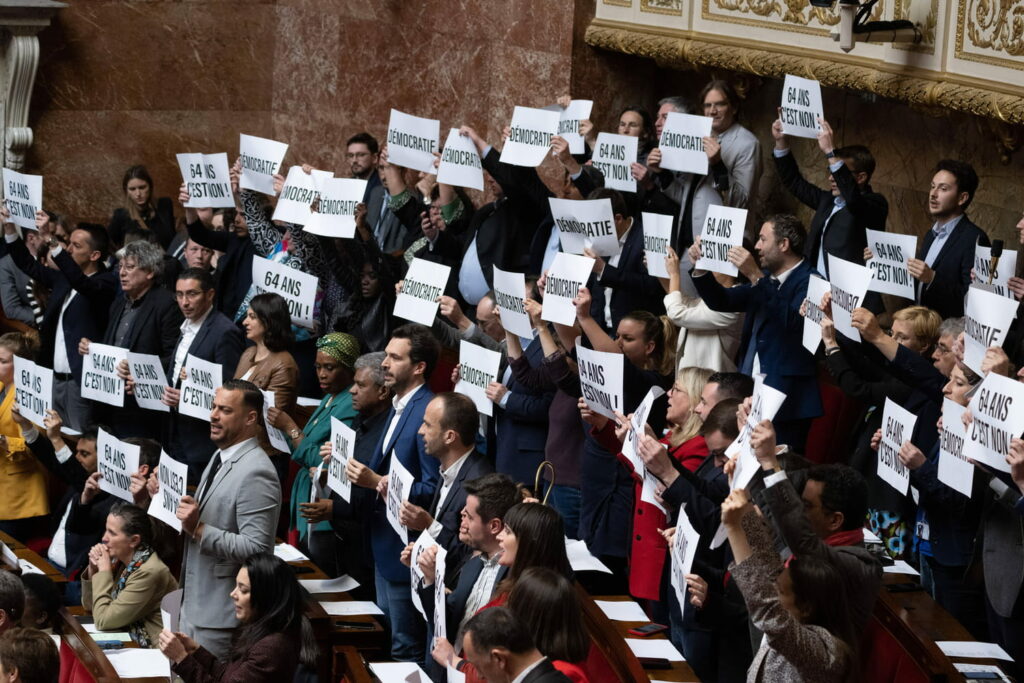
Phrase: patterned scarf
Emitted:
{"points": [[136, 629]]}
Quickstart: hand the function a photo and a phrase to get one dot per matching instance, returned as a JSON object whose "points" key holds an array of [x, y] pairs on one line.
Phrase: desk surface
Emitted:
{"points": [[89, 653], [25, 553], [680, 671]]}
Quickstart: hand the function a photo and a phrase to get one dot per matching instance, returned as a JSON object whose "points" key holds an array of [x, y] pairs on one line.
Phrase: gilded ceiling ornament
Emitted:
{"points": [[997, 25]]}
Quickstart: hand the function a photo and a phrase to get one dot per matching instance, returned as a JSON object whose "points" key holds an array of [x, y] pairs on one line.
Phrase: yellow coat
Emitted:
{"points": [[22, 478]]}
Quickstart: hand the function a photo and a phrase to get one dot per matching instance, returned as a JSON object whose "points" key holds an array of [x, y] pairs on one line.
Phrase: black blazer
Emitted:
{"points": [[521, 427], [945, 294], [455, 601], [234, 267], [545, 672], [161, 223], [450, 513], [632, 288], [845, 237], [87, 313]]}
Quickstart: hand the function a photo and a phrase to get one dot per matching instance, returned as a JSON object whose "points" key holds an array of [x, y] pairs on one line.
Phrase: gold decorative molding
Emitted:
{"points": [[670, 7], [619, 3], [678, 49], [996, 25]]}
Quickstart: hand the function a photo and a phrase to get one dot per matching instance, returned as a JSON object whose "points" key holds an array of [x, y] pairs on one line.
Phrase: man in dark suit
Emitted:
{"points": [[844, 211], [82, 290], [945, 256], [498, 645], [773, 327]]}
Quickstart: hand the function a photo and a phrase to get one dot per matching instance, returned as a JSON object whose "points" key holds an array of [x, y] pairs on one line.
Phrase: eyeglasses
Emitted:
{"points": [[191, 294]]}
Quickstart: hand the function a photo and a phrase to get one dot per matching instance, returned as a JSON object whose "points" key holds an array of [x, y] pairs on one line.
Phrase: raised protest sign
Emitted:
{"points": [[849, 283], [202, 379], [509, 295], [567, 274], [801, 107], [657, 234], [478, 367], [23, 196], [816, 288], [766, 402], [173, 477], [400, 482], [33, 385], [1005, 269], [569, 120], [601, 380], [298, 289], [206, 180], [987, 318], [529, 136], [424, 283], [631, 445], [682, 143], [889, 272], [412, 141], [297, 195], [897, 427], [684, 549], [585, 224], [343, 441], [278, 439], [440, 602], [117, 461], [261, 159], [997, 409], [722, 230], [954, 470], [100, 380], [613, 156], [460, 162], [147, 372], [335, 215]]}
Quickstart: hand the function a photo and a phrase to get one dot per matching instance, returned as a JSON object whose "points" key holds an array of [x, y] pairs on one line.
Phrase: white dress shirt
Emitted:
{"points": [[189, 330], [399, 403]]}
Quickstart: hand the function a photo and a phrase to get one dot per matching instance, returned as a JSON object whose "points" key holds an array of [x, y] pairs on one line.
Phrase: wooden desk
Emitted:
{"points": [[25, 553], [89, 653], [12, 543]]}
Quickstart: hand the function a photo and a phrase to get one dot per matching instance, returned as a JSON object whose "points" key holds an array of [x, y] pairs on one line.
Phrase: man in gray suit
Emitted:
{"points": [[16, 287], [232, 516]]}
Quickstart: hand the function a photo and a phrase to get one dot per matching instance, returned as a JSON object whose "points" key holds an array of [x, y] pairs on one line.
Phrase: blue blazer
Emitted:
{"points": [[408, 447], [952, 268], [521, 426], [953, 518], [632, 288], [787, 365]]}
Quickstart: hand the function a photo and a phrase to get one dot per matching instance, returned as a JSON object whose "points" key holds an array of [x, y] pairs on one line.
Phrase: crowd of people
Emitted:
{"points": [[787, 597]]}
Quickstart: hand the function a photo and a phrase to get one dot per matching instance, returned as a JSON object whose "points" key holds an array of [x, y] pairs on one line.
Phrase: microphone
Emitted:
{"points": [[993, 261]]}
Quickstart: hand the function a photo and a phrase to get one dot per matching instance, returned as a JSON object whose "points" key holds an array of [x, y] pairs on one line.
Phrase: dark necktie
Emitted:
{"points": [[217, 462]]}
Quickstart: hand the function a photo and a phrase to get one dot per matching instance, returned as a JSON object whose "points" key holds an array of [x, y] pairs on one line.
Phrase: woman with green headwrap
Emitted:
{"points": [[336, 355]]}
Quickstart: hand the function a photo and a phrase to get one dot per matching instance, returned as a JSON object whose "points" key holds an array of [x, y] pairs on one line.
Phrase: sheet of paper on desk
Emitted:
{"points": [[342, 584], [581, 559], [655, 649], [970, 667], [29, 568], [289, 553], [8, 555], [622, 610], [111, 635], [970, 648], [346, 608], [901, 567], [399, 672], [870, 537], [136, 662]]}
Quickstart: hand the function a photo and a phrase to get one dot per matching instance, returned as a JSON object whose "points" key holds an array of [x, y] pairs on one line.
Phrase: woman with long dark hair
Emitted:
{"points": [[274, 637], [141, 210]]}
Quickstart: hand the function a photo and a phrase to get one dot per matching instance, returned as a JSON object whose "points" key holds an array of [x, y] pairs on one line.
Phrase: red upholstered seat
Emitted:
{"points": [[885, 660], [71, 669], [827, 440]]}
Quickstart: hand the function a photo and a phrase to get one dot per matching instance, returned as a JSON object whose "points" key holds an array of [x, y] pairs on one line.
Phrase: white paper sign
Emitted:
{"points": [[478, 367], [202, 378], [998, 411], [816, 288], [8, 555], [849, 282], [297, 288], [278, 439], [801, 107], [509, 295], [117, 461], [424, 542], [987, 318], [569, 123], [460, 162], [343, 441], [150, 381], [766, 402], [722, 230], [684, 549], [897, 427], [889, 272], [612, 157], [567, 274], [631, 445], [530, 136], [440, 604], [206, 180], [585, 224], [657, 234], [424, 284], [412, 141], [173, 476], [100, 380], [23, 196], [682, 143], [954, 470], [400, 481], [335, 215], [601, 380], [33, 386], [297, 195], [1005, 269], [261, 159]]}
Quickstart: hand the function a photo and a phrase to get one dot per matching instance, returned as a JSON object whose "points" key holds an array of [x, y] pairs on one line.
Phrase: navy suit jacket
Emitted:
{"points": [[787, 365], [521, 427], [945, 294], [408, 447], [234, 267], [953, 518], [632, 288], [450, 513]]}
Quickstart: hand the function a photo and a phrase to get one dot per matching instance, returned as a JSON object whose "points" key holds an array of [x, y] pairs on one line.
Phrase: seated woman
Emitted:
{"points": [[270, 644], [127, 598], [141, 209]]}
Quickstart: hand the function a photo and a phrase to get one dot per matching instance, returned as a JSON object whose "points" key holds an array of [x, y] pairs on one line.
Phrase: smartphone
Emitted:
{"points": [[655, 663], [981, 676], [647, 630]]}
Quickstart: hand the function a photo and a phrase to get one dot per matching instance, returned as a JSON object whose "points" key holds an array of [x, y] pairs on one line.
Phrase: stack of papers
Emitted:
{"points": [[135, 662], [347, 608], [289, 553], [972, 650], [622, 610], [342, 584], [655, 649]]}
